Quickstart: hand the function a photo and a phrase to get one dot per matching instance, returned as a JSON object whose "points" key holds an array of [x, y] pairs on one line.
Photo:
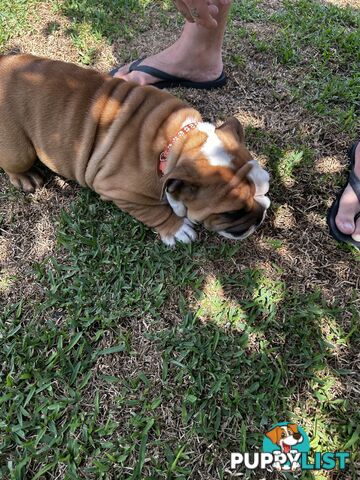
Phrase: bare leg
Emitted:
{"points": [[349, 206], [196, 55]]}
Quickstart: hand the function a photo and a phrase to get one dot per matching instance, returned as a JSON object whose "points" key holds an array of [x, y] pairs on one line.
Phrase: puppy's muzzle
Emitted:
{"points": [[242, 223], [245, 223]]}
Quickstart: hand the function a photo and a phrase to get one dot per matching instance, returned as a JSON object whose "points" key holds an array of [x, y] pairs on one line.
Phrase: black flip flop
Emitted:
{"points": [[354, 181], [170, 81]]}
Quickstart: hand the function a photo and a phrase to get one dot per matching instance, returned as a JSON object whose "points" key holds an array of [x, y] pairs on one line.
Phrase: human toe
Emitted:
{"points": [[121, 71], [348, 208], [356, 235]]}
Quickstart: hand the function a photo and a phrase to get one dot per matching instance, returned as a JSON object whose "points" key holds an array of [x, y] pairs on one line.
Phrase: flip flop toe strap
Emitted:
{"points": [[354, 181], [135, 66]]}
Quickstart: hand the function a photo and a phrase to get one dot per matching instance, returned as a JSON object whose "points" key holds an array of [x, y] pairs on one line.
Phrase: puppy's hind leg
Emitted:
{"points": [[27, 181], [19, 165]]}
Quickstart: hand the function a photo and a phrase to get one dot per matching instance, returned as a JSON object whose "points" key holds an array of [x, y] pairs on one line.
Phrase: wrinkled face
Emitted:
{"points": [[216, 182]]}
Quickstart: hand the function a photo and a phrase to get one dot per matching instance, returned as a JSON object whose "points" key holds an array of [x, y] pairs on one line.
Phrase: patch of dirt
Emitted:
{"points": [[327, 165], [270, 6], [344, 3], [28, 234]]}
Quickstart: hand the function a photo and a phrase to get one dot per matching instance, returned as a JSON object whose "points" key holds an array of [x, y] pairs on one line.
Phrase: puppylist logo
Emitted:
{"points": [[286, 442], [286, 447]]}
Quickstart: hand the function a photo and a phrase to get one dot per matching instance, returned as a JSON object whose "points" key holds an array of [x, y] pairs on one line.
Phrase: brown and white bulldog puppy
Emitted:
{"points": [[109, 134]]}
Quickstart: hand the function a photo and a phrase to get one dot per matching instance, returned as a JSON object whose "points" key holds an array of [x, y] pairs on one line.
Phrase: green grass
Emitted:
{"points": [[330, 56], [246, 351], [287, 162], [247, 11], [14, 18], [320, 44]]}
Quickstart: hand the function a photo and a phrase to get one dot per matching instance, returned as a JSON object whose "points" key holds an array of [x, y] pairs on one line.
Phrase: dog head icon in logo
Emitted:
{"points": [[287, 441], [285, 436]]}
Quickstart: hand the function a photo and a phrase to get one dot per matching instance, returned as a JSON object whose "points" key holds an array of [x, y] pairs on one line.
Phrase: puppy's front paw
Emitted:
{"points": [[185, 234]]}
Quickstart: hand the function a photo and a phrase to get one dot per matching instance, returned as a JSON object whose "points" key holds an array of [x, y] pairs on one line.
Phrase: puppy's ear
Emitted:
{"points": [[233, 125], [274, 434], [181, 179], [174, 185]]}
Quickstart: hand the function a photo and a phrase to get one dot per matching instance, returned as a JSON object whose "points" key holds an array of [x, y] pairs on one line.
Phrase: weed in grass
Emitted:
{"points": [[286, 165], [242, 32], [52, 27], [238, 60], [285, 161], [286, 52], [260, 45], [86, 42], [274, 243], [6, 280]]}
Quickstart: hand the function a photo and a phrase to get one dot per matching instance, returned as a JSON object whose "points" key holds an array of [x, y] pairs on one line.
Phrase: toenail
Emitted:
{"points": [[345, 227], [349, 226]]}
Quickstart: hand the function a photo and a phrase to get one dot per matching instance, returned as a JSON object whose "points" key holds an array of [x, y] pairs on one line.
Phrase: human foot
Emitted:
{"points": [[346, 219], [195, 67]]}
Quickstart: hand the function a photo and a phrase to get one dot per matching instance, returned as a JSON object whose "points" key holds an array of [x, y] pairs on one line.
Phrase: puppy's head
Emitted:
{"points": [[212, 179]]}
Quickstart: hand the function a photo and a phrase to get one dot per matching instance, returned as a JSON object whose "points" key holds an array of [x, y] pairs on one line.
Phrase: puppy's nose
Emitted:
{"points": [[297, 436]]}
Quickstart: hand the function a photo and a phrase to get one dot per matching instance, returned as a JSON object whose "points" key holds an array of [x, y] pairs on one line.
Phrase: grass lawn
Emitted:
{"points": [[122, 359]]}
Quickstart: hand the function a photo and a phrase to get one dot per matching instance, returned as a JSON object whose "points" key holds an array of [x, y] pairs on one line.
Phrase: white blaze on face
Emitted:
{"points": [[213, 148], [260, 178]]}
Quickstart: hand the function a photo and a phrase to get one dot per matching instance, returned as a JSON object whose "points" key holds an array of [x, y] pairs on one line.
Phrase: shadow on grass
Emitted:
{"points": [[115, 21], [240, 349]]}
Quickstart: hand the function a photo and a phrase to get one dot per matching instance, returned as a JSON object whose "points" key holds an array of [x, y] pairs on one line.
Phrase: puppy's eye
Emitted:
{"points": [[283, 435], [235, 214], [193, 189]]}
